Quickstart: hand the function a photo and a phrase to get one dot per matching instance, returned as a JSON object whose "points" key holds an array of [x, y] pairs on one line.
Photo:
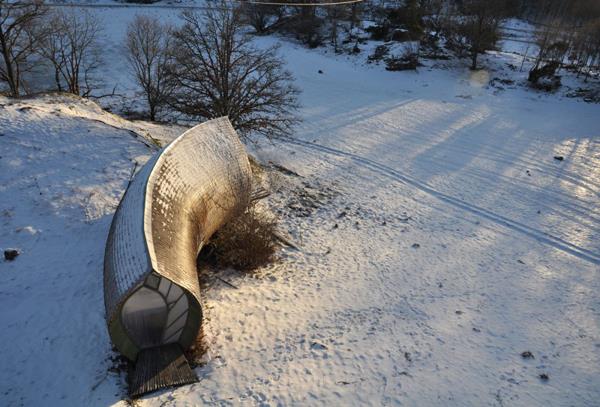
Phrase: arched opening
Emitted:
{"points": [[156, 313]]}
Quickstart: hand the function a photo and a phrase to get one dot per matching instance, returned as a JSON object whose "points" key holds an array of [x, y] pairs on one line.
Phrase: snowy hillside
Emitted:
{"points": [[440, 241], [65, 164]]}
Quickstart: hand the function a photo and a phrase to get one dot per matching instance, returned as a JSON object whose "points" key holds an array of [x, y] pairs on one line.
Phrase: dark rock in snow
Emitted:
{"points": [[527, 355], [544, 377], [11, 254], [320, 71], [559, 157], [317, 346]]}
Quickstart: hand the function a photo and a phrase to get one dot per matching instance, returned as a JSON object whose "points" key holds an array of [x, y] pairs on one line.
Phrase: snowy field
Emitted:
{"points": [[439, 240]]}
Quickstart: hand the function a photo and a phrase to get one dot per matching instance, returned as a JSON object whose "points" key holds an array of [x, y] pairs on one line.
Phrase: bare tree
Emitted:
{"points": [[305, 24], [355, 13], [334, 15], [18, 40], [353, 17], [219, 73], [436, 16], [260, 16], [587, 47], [568, 32], [71, 46], [479, 26], [148, 43]]}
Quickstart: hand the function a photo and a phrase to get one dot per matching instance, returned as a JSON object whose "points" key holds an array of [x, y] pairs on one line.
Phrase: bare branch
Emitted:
{"points": [[217, 72]]}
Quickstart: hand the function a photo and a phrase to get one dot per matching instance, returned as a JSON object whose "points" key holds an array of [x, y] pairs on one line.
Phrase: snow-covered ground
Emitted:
{"points": [[439, 240]]}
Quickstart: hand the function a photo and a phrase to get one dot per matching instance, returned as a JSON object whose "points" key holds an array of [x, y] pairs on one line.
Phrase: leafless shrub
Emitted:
{"points": [[408, 60], [19, 37], [307, 27], [544, 77], [149, 43], [71, 46], [260, 16], [476, 30], [436, 19], [335, 14], [247, 242], [381, 51], [587, 47], [354, 15], [568, 35]]}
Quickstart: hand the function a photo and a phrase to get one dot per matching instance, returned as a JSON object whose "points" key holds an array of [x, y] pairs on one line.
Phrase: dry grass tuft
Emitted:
{"points": [[197, 350], [247, 242]]}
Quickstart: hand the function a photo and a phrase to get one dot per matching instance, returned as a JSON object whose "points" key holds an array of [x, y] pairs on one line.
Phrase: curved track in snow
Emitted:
{"points": [[398, 176]]}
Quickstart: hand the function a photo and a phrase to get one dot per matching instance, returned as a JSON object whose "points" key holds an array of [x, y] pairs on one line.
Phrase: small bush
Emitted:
{"points": [[397, 24], [408, 60], [401, 35], [403, 63], [545, 71], [544, 78], [260, 17], [379, 32], [408, 17], [431, 49], [306, 29], [381, 51], [247, 242], [548, 84]]}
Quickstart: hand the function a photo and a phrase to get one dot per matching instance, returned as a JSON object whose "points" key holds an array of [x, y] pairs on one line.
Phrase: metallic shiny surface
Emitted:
{"points": [[171, 208]]}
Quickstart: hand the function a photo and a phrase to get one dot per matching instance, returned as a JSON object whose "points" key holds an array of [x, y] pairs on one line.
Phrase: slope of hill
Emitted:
{"points": [[64, 166]]}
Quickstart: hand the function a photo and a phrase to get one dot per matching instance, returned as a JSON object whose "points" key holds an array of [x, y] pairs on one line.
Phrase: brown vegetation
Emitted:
{"points": [[247, 242]]}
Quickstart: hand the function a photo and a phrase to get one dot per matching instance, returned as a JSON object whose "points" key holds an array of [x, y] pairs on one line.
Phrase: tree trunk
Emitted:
{"points": [[474, 60], [152, 111], [57, 79], [11, 78]]}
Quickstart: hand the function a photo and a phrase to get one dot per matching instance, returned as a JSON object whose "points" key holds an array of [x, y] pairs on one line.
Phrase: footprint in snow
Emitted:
{"points": [[318, 346]]}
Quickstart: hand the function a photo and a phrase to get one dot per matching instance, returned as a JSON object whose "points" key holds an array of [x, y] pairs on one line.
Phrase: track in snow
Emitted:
{"points": [[395, 175]]}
